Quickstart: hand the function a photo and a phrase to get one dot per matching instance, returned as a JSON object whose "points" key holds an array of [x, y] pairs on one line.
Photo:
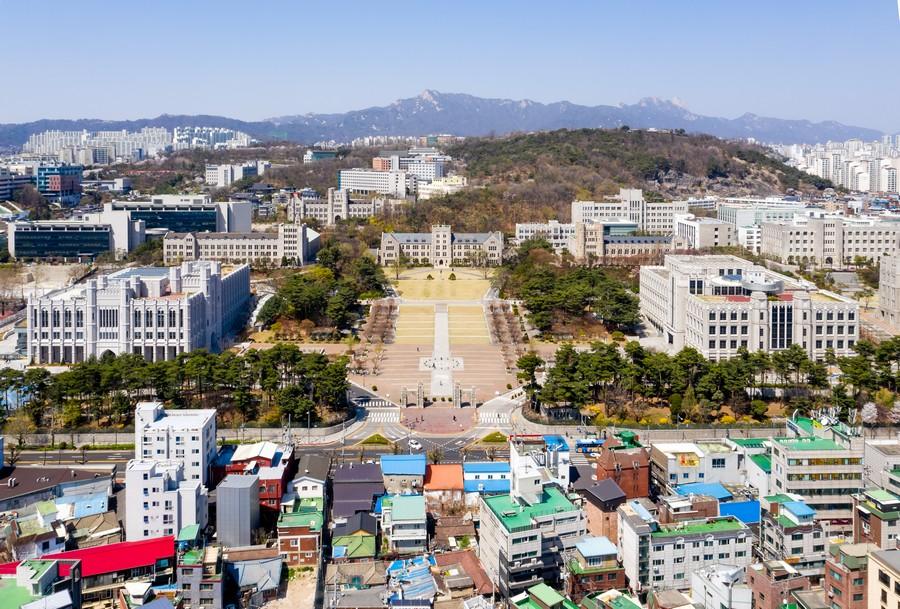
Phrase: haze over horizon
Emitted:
{"points": [[279, 58]]}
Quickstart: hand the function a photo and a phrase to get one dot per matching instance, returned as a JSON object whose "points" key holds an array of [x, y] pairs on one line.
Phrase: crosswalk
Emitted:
{"points": [[579, 458], [366, 402], [493, 418], [385, 415]]}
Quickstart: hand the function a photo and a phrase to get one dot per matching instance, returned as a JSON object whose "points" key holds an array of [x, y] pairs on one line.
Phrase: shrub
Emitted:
{"points": [[452, 277], [430, 276], [63, 445], [508, 386], [727, 420], [663, 420], [376, 439], [374, 387], [494, 436], [618, 336]]}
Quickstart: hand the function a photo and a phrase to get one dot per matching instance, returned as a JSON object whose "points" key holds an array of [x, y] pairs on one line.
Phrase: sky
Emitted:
{"points": [[810, 59]]}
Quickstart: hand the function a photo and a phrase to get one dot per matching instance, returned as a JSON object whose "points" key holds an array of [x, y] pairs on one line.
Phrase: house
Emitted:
{"points": [[99, 530], [601, 500], [274, 464], [199, 577], [404, 525], [541, 596], [356, 585], [255, 571], [611, 599], [444, 488], [33, 533], [300, 531], [40, 584], [789, 531], [720, 585], [21, 485], [403, 473], [354, 488], [674, 463], [627, 465], [453, 532], [355, 538], [485, 478], [312, 476], [593, 567], [773, 583], [464, 562], [105, 569]]}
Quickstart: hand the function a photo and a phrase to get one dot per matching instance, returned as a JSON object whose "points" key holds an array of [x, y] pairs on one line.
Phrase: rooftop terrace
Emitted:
{"points": [[516, 516], [699, 527]]}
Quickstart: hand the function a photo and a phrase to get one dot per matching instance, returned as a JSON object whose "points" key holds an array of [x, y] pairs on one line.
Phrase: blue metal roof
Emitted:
{"points": [[486, 486], [486, 467], [745, 511], [596, 546], [798, 508], [556, 442], [403, 465], [713, 489]]}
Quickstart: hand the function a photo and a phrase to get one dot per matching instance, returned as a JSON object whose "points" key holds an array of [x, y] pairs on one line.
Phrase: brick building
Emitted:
{"points": [[601, 500], [627, 467], [773, 582], [846, 574]]}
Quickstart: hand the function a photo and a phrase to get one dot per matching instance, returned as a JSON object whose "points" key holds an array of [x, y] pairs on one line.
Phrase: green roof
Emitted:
{"points": [[806, 424], [577, 568], [514, 515], [881, 495], [188, 533], [546, 594], [358, 546], [407, 507], [763, 461], [12, 595], [307, 512], [45, 507], [750, 442], [719, 525], [623, 602], [778, 498], [808, 444], [38, 566], [191, 557]]}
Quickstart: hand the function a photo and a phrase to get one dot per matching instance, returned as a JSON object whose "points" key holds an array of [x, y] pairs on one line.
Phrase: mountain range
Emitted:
{"points": [[468, 115]]}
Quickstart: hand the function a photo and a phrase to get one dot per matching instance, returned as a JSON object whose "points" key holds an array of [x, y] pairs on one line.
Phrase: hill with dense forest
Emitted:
{"points": [[533, 177]]}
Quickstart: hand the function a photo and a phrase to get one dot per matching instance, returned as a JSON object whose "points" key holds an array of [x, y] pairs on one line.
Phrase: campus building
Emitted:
{"points": [[830, 241], [371, 181], [719, 304], [150, 311], [58, 239], [653, 217], [889, 290], [294, 244], [60, 183], [442, 248], [336, 206], [700, 233]]}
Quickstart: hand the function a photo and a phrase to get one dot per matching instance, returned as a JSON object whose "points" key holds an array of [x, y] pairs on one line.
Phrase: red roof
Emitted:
{"points": [[736, 298], [112, 557]]}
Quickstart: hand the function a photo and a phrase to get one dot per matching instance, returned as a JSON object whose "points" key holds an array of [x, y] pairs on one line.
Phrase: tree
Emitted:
{"points": [[19, 425], [399, 265], [528, 366], [869, 413], [435, 456]]}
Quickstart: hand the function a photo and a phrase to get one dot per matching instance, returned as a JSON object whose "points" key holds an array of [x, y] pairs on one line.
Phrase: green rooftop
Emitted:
{"points": [[12, 595], [623, 602], [869, 497], [358, 546], [750, 442], [808, 444], [406, 507], [516, 516], [763, 461], [545, 597], [720, 525], [778, 498], [38, 566], [191, 557], [189, 533], [45, 507], [881, 495], [577, 568], [307, 512]]}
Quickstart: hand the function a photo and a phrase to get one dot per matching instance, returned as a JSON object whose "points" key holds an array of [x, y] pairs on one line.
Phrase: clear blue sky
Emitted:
{"points": [[815, 59]]}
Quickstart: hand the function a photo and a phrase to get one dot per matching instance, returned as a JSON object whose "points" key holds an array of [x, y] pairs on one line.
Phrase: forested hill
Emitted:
{"points": [[536, 176]]}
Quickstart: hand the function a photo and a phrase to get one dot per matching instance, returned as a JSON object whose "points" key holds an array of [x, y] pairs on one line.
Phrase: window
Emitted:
{"points": [[718, 463]]}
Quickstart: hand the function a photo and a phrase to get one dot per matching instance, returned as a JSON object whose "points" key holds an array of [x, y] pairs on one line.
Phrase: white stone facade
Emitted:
{"points": [[181, 435], [443, 248]]}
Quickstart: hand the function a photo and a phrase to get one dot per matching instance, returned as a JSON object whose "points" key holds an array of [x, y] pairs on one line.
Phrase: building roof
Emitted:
{"points": [[891, 558], [28, 480], [313, 466], [605, 490], [799, 508], [359, 472], [178, 418], [472, 566], [407, 507], [447, 476], [596, 546], [546, 595], [403, 465], [808, 443], [113, 557], [486, 467], [238, 481], [358, 522], [515, 515], [700, 527], [711, 489], [749, 442], [349, 499], [764, 462], [556, 442], [747, 512], [257, 450], [188, 533]]}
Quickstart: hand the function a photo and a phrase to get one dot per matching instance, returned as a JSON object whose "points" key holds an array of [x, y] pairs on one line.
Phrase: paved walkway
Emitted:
{"points": [[441, 360]]}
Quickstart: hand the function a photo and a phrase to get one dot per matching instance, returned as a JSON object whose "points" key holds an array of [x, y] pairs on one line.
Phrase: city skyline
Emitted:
{"points": [[275, 64]]}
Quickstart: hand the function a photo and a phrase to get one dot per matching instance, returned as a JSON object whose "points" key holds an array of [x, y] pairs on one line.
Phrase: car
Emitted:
{"points": [[415, 445]]}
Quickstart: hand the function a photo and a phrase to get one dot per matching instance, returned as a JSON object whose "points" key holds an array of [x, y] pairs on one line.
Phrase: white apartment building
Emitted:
{"points": [[656, 218], [220, 176], [748, 211], [156, 312], [160, 501], [557, 233], [664, 556], [182, 435], [336, 206], [365, 181], [293, 244], [676, 463], [440, 187], [719, 304], [824, 472], [830, 241], [702, 233], [790, 532], [889, 290], [442, 248], [720, 585]]}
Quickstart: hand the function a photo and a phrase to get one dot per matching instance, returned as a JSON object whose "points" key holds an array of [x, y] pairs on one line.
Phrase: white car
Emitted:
{"points": [[415, 445]]}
